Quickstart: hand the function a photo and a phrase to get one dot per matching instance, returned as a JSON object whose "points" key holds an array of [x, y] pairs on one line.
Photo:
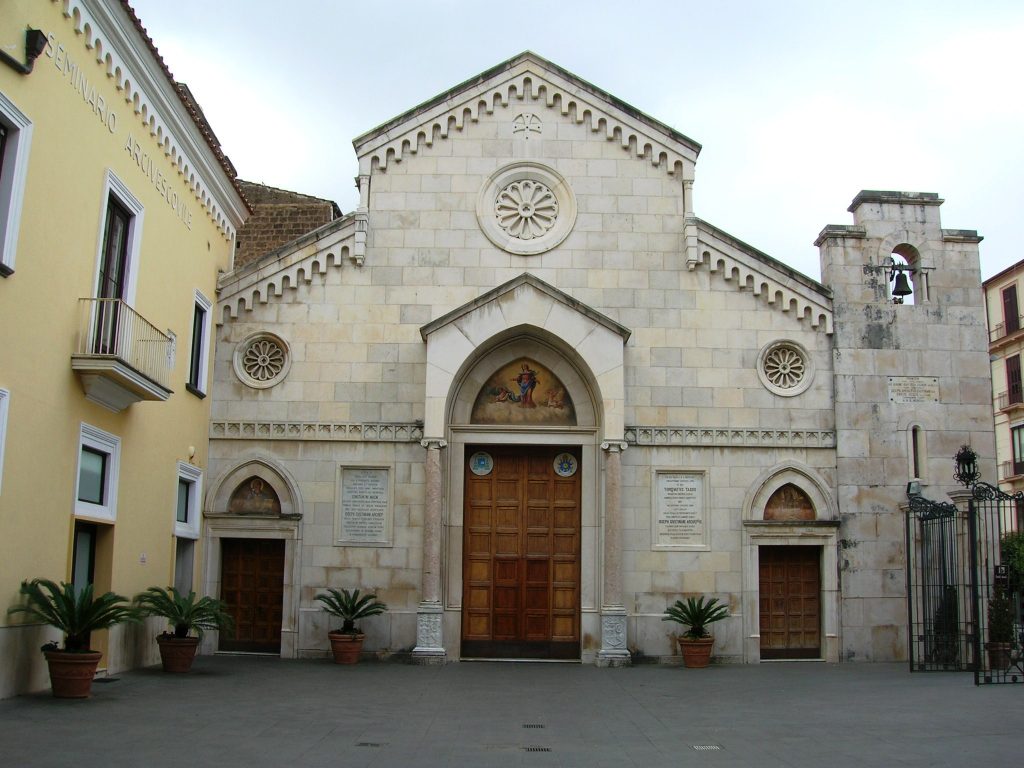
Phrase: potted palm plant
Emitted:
{"points": [[1000, 630], [185, 614], [350, 607], [76, 613], [696, 642]]}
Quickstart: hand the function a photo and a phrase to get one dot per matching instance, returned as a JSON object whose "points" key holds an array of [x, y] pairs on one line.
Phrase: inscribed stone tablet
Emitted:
{"points": [[364, 505], [680, 515]]}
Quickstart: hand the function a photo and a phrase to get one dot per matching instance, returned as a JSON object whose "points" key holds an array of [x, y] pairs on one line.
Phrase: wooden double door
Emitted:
{"points": [[521, 553], [790, 602], [252, 587]]}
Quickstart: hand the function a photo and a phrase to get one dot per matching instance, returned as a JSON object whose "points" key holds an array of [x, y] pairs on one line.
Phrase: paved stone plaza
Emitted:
{"points": [[251, 711]]}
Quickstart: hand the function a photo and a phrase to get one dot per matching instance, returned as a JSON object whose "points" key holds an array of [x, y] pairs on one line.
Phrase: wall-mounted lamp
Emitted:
{"points": [[913, 488], [35, 44], [966, 470]]}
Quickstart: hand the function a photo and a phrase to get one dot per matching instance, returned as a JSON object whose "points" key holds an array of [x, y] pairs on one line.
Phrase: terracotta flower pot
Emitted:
{"points": [[696, 651], [71, 674], [346, 648], [177, 653], [998, 656]]}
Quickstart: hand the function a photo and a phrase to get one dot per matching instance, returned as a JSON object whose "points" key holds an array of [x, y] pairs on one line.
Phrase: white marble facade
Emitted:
{"points": [[527, 214]]}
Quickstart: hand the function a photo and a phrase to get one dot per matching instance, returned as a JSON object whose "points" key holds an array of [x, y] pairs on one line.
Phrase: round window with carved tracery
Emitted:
{"points": [[262, 360], [526, 209], [784, 368]]}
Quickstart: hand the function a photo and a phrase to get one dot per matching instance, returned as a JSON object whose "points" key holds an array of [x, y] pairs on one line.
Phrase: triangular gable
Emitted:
{"points": [[457, 338], [545, 82], [495, 295]]}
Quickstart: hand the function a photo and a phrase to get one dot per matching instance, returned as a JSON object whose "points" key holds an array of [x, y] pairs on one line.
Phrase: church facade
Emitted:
{"points": [[527, 397]]}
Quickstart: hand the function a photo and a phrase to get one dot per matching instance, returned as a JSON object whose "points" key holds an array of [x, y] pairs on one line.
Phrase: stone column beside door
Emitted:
{"points": [[614, 651], [429, 642]]}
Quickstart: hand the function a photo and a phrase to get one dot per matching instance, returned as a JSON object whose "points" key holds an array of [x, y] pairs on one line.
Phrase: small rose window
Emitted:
{"points": [[784, 368], [262, 360]]}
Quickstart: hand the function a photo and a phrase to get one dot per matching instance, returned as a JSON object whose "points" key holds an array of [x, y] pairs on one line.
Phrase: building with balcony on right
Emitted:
{"points": [[1006, 345]]}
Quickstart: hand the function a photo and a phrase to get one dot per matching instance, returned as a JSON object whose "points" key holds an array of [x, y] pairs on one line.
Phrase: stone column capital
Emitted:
{"points": [[434, 443], [614, 446]]}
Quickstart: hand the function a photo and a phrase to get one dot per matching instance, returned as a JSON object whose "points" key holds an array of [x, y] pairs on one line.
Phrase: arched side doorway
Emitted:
{"points": [[253, 541], [790, 559]]}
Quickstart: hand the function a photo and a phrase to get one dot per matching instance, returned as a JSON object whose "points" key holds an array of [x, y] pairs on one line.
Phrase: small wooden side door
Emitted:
{"points": [[790, 602], [252, 586]]}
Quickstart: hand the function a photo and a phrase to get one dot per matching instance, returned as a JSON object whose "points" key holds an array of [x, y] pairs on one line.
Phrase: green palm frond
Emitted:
{"points": [[350, 607], [184, 612], [76, 614], [696, 614]]}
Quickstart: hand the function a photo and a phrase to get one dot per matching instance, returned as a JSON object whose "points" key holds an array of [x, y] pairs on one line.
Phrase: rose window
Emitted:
{"points": [[262, 360], [526, 209], [784, 368]]}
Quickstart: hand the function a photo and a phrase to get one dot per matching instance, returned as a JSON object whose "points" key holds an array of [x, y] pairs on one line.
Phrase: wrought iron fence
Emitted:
{"points": [[111, 328], [963, 598]]}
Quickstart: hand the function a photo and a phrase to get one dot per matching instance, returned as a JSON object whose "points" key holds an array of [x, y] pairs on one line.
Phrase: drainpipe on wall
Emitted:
{"points": [[35, 44]]}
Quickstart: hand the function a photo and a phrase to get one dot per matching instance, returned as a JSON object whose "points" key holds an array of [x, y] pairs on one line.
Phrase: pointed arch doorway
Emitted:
{"points": [[523, 546]]}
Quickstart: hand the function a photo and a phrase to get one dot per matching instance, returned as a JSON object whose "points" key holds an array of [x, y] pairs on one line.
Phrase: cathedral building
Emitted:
{"points": [[529, 398]]}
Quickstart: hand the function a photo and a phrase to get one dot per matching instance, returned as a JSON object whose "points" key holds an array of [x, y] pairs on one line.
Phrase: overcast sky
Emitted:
{"points": [[798, 104]]}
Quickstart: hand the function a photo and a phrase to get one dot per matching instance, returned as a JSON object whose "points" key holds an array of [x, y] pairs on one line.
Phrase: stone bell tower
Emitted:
{"points": [[912, 384]]}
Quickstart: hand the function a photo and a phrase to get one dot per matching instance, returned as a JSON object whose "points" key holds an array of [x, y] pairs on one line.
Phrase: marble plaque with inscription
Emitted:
{"points": [[679, 514], [364, 506], [913, 389]]}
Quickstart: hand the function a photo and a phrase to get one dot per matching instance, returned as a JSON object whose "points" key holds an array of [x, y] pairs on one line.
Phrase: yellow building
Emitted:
{"points": [[1006, 346], [117, 210]]}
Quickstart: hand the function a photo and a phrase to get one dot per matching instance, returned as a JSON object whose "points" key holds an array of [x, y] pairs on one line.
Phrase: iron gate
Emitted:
{"points": [[963, 602]]}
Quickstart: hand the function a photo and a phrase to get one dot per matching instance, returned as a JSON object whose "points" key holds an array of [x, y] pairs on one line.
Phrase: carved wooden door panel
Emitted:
{"points": [[252, 586], [521, 556], [790, 602]]}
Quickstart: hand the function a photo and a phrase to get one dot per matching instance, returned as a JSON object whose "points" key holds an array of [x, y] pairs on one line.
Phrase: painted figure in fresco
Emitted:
{"points": [[527, 381], [504, 395], [556, 398]]}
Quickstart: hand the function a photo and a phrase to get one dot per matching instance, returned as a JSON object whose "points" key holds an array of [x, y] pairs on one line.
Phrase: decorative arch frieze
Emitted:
{"points": [[285, 269], [543, 88]]}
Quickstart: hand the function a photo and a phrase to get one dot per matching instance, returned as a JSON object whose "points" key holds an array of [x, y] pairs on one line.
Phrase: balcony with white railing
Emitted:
{"points": [[121, 358]]}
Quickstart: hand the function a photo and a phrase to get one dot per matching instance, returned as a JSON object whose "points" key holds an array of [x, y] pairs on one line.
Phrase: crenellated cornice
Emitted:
{"points": [[750, 270], [113, 39], [528, 77], [287, 267]]}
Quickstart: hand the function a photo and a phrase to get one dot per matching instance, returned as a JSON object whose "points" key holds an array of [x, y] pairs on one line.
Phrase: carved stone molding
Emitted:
{"points": [[716, 436], [315, 430], [614, 651], [434, 443], [429, 642]]}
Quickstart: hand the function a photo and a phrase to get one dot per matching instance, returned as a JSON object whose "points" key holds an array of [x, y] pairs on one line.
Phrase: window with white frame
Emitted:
{"points": [[199, 353], [99, 457], [15, 137], [5, 397], [120, 241], [187, 496]]}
